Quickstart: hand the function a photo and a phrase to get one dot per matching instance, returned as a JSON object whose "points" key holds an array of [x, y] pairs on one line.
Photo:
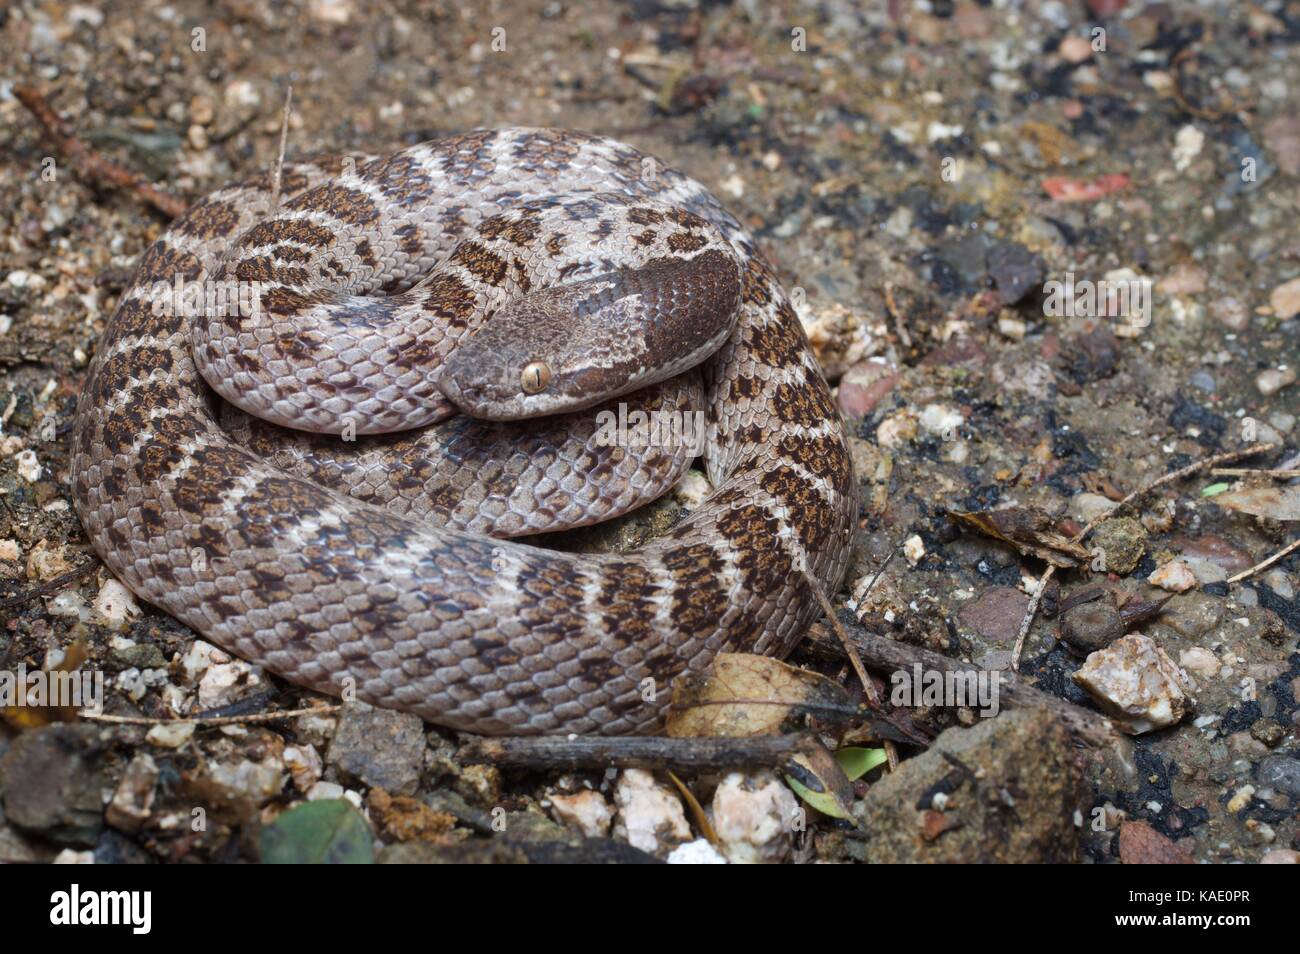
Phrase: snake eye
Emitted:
{"points": [[536, 377]]}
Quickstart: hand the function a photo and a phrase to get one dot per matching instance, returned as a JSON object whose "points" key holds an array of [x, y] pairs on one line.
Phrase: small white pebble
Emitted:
{"points": [[116, 605], [29, 468], [697, 852], [170, 736]]}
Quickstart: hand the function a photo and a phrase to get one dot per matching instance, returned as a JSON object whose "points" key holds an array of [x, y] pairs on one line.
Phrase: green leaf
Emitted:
{"points": [[1213, 489], [857, 761], [824, 802], [330, 832]]}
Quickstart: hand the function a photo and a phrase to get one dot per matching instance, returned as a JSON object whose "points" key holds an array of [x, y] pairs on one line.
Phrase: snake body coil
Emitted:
{"points": [[367, 563]]}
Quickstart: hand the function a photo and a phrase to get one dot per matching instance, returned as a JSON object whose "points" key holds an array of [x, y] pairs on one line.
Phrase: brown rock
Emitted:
{"points": [[863, 387], [1182, 279], [997, 614], [1285, 299], [1140, 844], [380, 747], [1215, 549], [1105, 8], [402, 818], [1092, 626], [1282, 136]]}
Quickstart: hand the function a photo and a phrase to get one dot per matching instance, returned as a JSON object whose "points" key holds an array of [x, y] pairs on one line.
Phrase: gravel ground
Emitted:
{"points": [[922, 174]]}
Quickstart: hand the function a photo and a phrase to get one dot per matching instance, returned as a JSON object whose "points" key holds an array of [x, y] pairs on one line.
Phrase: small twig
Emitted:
{"points": [[880, 570], [1282, 474], [50, 586], [251, 705], [1179, 474], [92, 166], [889, 655], [578, 753], [894, 313], [1290, 547], [854, 659], [254, 717], [1095, 522], [1030, 612], [284, 139], [1176, 88]]}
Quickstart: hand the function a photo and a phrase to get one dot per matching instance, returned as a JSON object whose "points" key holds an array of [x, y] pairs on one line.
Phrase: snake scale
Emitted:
{"points": [[332, 518]]}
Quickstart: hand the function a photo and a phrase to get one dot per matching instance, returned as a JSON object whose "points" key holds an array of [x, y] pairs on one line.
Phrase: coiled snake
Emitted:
{"points": [[506, 273]]}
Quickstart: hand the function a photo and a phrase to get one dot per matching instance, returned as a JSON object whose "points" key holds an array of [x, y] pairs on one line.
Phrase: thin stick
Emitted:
{"points": [[875, 577], [1176, 88], [894, 313], [579, 753], [252, 717], [1179, 474], [855, 660], [50, 586], [1169, 478], [1248, 472], [93, 167], [1293, 545], [1030, 612], [888, 655], [284, 139]]}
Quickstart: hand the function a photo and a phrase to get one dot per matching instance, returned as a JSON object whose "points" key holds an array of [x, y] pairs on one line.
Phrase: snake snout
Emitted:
{"points": [[471, 381], [459, 389]]}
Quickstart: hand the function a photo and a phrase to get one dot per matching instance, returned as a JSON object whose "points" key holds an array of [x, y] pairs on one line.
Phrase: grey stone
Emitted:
{"points": [[382, 748], [1280, 773], [1092, 626], [1193, 614], [1015, 270], [51, 780], [142, 656]]}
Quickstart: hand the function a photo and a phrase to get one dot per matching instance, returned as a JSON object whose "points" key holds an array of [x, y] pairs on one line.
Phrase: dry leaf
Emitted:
{"points": [[819, 780], [22, 715], [1278, 503], [1029, 530], [1101, 484], [744, 694], [697, 811]]}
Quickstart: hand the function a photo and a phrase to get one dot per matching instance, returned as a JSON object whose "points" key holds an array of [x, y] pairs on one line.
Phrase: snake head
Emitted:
{"points": [[576, 345], [528, 361]]}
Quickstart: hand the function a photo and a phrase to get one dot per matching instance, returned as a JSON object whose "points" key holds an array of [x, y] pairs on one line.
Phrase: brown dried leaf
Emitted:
{"points": [[1101, 484], [697, 811], [1278, 503], [819, 780], [1029, 530], [744, 694], [22, 714]]}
